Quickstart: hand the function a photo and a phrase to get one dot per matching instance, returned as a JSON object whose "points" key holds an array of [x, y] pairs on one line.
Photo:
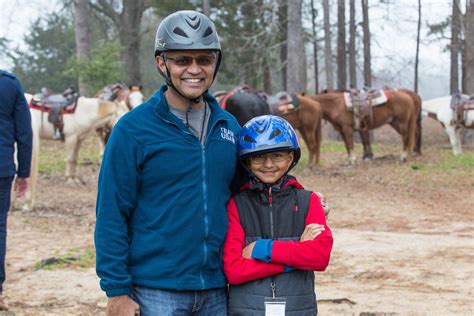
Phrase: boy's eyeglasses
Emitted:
{"points": [[186, 61], [275, 157]]}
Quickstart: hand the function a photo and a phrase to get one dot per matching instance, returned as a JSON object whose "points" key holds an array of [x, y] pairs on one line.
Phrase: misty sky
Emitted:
{"points": [[393, 39]]}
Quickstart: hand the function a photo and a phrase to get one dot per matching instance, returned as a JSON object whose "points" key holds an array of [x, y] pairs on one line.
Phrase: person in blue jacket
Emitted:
{"points": [[15, 127], [165, 182]]}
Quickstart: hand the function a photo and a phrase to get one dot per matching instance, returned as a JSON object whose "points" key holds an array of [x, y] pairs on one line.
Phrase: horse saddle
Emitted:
{"points": [[365, 98], [460, 105], [110, 93], [56, 105], [282, 103]]}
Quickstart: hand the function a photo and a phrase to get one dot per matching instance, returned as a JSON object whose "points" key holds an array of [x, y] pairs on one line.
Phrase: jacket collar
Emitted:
{"points": [[285, 182]]}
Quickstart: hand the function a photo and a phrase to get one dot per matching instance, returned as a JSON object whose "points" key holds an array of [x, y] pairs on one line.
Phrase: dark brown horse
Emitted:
{"points": [[306, 116], [400, 111]]}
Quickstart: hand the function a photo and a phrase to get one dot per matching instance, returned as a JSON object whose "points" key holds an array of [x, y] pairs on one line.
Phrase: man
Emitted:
{"points": [[165, 182], [15, 127], [135, 97]]}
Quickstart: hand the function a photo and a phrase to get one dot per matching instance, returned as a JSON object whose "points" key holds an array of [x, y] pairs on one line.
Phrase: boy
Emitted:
{"points": [[277, 232]]}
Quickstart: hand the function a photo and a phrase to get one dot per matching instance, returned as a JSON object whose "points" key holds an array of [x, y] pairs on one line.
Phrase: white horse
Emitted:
{"points": [[90, 114], [440, 109]]}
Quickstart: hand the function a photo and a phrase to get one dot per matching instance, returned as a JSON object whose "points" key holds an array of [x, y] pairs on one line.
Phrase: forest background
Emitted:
{"points": [[423, 45]]}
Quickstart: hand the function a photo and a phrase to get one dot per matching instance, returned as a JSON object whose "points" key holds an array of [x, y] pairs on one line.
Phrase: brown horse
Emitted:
{"points": [[400, 111], [306, 117], [117, 92]]}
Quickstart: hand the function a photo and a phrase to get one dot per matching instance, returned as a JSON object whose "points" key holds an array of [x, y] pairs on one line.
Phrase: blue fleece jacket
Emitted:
{"points": [[15, 127], [162, 200]]}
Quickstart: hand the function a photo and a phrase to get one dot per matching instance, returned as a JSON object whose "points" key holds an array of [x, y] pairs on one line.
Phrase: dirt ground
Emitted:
{"points": [[403, 235]]}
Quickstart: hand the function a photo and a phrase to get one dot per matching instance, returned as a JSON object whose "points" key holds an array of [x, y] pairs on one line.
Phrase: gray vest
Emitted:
{"points": [[278, 221]]}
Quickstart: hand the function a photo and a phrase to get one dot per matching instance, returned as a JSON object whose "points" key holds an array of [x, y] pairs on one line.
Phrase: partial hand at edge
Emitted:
{"points": [[324, 204], [122, 305], [21, 186]]}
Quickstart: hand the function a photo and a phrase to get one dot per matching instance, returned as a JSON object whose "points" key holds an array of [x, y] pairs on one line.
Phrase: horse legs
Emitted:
{"points": [[365, 138], [348, 136], [73, 142], [454, 135], [402, 129], [310, 140], [30, 202]]}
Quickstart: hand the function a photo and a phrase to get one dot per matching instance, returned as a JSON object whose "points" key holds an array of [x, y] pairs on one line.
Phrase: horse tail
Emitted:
{"points": [[418, 113], [418, 125], [319, 131], [412, 128]]}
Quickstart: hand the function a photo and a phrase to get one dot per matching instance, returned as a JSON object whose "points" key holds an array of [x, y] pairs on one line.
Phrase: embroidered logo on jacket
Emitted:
{"points": [[227, 134]]}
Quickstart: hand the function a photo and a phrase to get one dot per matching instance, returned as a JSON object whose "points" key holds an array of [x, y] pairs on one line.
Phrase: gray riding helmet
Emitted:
{"points": [[187, 30]]}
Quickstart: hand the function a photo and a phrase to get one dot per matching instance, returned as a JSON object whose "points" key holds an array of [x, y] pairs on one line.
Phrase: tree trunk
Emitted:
{"points": [[341, 46], [315, 48], [128, 23], [468, 61], [296, 65], [206, 8], [365, 27], [352, 47], [129, 34], [327, 47], [267, 78], [283, 17], [455, 47], [82, 34], [417, 46]]}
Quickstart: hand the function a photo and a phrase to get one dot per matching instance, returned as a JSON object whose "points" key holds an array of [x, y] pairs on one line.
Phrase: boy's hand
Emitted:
{"points": [[247, 251], [311, 231]]}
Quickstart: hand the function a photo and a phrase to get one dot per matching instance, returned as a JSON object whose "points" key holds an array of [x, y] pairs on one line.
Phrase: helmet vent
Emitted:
{"points": [[208, 32], [193, 23], [179, 31], [275, 133], [249, 139]]}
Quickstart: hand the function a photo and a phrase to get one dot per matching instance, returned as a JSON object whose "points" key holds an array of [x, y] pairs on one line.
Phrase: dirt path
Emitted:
{"points": [[403, 237]]}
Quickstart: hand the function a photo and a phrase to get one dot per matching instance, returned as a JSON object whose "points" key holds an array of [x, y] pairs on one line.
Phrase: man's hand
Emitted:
{"points": [[247, 251], [311, 231], [122, 305], [21, 186], [324, 204]]}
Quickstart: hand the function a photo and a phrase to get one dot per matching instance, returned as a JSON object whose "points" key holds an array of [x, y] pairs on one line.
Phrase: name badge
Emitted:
{"points": [[275, 306]]}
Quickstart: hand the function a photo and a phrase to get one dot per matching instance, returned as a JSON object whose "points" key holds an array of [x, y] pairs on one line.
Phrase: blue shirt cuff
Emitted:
{"points": [[288, 269], [263, 250]]}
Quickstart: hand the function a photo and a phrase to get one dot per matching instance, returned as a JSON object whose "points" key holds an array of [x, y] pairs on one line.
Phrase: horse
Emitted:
{"points": [[400, 111], [90, 113], [306, 117], [443, 110], [118, 92]]}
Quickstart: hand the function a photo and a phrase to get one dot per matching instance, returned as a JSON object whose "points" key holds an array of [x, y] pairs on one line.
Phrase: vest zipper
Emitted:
{"points": [[272, 232], [270, 201]]}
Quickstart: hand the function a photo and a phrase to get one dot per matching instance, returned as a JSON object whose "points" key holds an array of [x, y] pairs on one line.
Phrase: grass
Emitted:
{"points": [[53, 155], [83, 258], [448, 163]]}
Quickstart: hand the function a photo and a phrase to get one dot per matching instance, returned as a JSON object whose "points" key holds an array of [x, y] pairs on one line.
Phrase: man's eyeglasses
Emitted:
{"points": [[275, 157], [186, 61]]}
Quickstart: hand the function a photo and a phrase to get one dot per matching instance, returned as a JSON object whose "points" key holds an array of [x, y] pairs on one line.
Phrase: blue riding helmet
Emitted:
{"points": [[265, 134]]}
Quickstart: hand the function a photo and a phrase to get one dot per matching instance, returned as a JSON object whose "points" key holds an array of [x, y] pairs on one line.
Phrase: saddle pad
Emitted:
{"points": [[379, 97]]}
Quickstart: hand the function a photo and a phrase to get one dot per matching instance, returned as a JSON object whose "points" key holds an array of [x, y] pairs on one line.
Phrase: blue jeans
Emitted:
{"points": [[183, 303], [5, 192]]}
